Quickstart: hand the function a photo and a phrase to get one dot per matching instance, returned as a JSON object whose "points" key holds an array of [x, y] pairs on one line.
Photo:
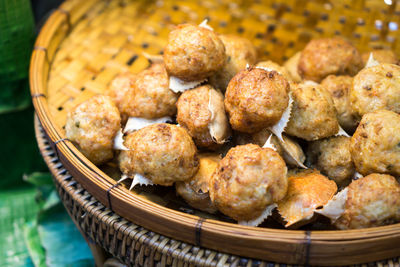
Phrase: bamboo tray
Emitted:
{"points": [[85, 44]]}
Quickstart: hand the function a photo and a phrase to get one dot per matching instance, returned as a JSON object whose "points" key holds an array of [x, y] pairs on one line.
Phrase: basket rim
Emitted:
{"points": [[192, 229]]}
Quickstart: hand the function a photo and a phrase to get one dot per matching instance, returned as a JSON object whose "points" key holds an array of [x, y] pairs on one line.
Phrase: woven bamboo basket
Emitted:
{"points": [[85, 44]]}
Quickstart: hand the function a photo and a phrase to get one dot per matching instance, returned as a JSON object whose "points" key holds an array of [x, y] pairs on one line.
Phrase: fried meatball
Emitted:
{"points": [[247, 180], [92, 126], [120, 87], [291, 66], [376, 88], [193, 53], [313, 114], [332, 157], [307, 190], [289, 150], [195, 190], [373, 200], [194, 114], [150, 96], [239, 52], [256, 99], [381, 55], [375, 146], [163, 153], [272, 66], [339, 88], [325, 56]]}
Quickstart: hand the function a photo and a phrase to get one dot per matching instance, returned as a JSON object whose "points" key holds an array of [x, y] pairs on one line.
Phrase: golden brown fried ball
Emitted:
{"points": [[195, 190], [325, 56], [332, 157], [92, 125], [239, 52], [381, 55], [288, 150], [373, 200], [339, 88], [313, 114], [291, 66], [256, 99], [376, 88], [193, 53], [195, 116], [247, 180], [375, 146], [307, 190], [150, 96], [272, 66], [120, 87], [163, 153]]}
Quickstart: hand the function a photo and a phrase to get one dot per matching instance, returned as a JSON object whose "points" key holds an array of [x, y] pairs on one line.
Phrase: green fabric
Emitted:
{"points": [[17, 34], [16, 208], [19, 150], [51, 237]]}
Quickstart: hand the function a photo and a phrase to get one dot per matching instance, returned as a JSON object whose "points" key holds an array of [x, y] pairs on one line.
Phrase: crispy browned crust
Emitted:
{"points": [[375, 146], [256, 99], [325, 56], [339, 88], [376, 88], [239, 52], [193, 53], [92, 125], [313, 114], [150, 96], [332, 157], [373, 200], [194, 114], [247, 180], [163, 153]]}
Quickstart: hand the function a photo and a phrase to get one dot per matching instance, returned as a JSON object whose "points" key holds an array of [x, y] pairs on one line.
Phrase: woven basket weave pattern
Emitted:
{"points": [[85, 44], [111, 37]]}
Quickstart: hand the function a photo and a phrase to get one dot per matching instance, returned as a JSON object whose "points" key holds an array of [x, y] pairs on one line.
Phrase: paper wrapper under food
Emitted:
{"points": [[178, 85], [279, 127], [119, 141], [219, 125], [335, 207], [257, 221], [137, 179], [135, 123]]}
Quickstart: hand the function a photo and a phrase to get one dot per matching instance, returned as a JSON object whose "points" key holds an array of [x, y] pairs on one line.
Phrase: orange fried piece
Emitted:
{"points": [[307, 191]]}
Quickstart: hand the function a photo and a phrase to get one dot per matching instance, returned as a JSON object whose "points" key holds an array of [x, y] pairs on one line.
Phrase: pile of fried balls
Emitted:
{"points": [[318, 137]]}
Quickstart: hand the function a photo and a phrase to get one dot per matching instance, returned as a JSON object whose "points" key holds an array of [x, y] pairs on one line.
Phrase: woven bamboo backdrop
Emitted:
{"points": [[111, 37]]}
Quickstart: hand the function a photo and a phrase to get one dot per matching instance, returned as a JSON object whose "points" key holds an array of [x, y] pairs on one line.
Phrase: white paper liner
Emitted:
{"points": [[372, 62], [266, 69], [311, 83], [178, 86], [257, 221], [335, 207], [290, 153], [269, 144], [279, 127], [342, 132], [136, 123], [357, 176], [153, 58], [219, 122], [141, 180], [137, 179], [119, 141], [204, 24]]}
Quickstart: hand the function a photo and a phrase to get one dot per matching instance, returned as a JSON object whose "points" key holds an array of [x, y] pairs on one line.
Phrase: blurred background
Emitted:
{"points": [[35, 229]]}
